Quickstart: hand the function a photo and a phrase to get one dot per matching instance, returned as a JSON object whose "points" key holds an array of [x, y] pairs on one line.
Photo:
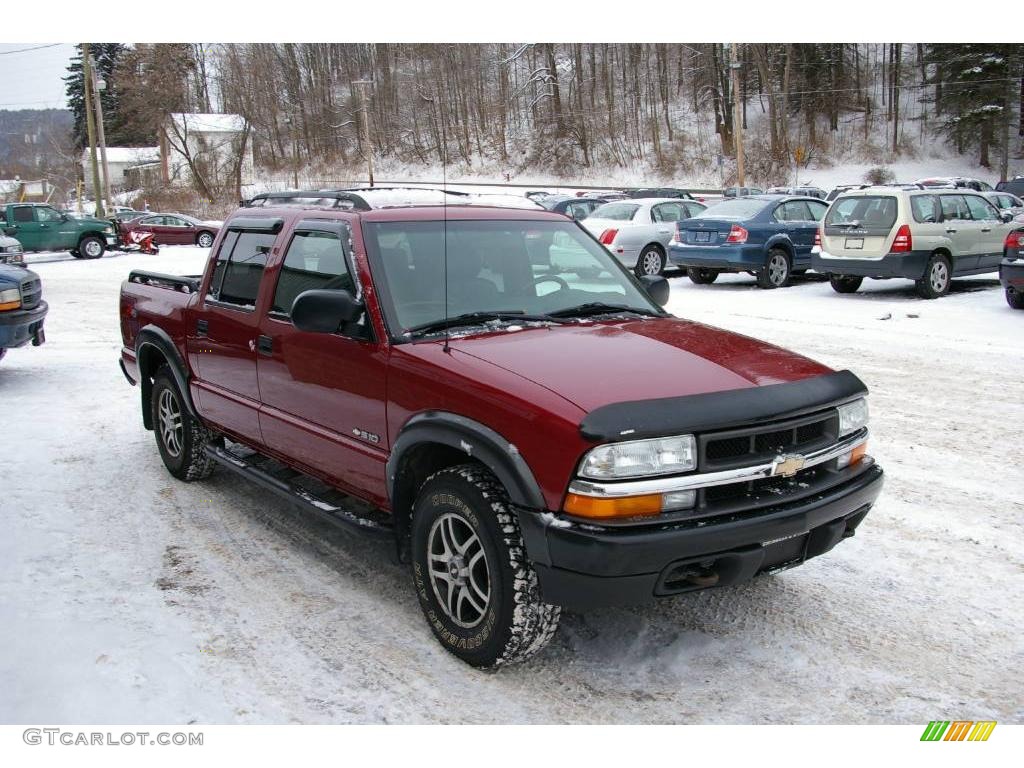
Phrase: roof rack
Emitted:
{"points": [[350, 199]]}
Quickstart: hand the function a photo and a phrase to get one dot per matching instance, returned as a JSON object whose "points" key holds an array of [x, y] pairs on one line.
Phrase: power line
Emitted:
{"points": [[33, 48]]}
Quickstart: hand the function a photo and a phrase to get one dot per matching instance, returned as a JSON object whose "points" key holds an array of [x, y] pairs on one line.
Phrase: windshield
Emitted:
{"points": [[615, 211], [867, 211], [733, 210], [530, 268]]}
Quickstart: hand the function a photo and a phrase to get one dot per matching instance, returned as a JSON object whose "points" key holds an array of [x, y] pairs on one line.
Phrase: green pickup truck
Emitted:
{"points": [[41, 227]]}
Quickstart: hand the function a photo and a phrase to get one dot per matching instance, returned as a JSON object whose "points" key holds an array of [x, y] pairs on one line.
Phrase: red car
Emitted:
{"points": [[173, 229], [494, 393]]}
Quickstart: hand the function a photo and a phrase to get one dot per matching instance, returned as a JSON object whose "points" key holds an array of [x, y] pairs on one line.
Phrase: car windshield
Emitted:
{"points": [[615, 211], [733, 210], [534, 270]]}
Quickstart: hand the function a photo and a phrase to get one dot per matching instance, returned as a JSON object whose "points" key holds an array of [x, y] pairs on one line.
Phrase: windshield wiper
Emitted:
{"points": [[474, 318], [600, 308]]}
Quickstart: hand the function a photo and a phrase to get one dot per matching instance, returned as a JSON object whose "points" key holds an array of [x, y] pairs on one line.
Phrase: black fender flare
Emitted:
{"points": [[153, 340], [477, 441]]}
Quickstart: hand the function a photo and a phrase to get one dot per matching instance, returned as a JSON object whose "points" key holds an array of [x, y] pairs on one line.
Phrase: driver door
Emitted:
{"points": [[323, 394]]}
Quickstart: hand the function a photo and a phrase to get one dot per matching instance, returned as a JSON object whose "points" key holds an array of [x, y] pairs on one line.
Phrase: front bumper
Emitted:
{"points": [[20, 326], [1011, 274], [583, 567], [742, 258], [910, 265]]}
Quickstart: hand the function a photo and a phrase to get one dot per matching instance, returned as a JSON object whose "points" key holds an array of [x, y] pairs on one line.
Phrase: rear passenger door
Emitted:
{"points": [[962, 231], [323, 394], [223, 333]]}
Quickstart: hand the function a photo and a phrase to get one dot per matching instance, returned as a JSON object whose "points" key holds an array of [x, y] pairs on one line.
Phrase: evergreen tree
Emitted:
{"points": [[106, 56]]}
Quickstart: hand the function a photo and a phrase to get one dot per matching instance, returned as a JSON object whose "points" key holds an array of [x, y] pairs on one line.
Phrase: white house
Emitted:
{"points": [[212, 145], [119, 161]]}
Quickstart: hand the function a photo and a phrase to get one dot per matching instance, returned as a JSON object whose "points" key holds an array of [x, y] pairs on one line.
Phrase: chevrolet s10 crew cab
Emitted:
{"points": [[490, 389]]}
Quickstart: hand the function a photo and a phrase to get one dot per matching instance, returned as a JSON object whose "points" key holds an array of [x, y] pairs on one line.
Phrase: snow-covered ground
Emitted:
{"points": [[127, 596]]}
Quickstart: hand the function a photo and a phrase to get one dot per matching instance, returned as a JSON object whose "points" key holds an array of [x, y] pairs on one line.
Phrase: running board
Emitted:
{"points": [[304, 491]]}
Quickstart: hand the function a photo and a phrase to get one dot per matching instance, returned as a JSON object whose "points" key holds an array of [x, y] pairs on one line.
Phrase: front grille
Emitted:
{"points": [[31, 293]]}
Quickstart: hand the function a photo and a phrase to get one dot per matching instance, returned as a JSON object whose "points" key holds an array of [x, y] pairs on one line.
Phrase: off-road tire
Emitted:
{"points": [[845, 283], [777, 271], [515, 623], [191, 462], [931, 285], [646, 260], [1014, 298], [89, 245], [204, 239], [702, 276]]}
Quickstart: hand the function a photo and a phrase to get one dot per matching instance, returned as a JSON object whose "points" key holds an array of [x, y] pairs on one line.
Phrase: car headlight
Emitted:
{"points": [[640, 458], [853, 416], [108, 230], [10, 299]]}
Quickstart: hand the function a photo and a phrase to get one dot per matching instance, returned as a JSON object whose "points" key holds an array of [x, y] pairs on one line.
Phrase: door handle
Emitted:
{"points": [[986, 229], [202, 328], [664, 231], [951, 231], [265, 344]]}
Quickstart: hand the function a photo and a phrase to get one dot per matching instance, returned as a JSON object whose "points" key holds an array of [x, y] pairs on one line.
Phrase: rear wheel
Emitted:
{"points": [[179, 436], [702, 276], [845, 283], [478, 591], [937, 276], [1014, 298], [651, 261], [204, 240], [91, 247], [776, 272]]}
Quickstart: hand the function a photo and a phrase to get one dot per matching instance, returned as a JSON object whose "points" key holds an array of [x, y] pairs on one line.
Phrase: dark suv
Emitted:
{"points": [[22, 309]]}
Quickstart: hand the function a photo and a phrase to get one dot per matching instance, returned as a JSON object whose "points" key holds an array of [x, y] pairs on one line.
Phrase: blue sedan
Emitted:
{"points": [[770, 236]]}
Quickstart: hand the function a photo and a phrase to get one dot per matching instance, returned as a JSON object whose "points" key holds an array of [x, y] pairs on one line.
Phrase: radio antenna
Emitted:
{"points": [[444, 210]]}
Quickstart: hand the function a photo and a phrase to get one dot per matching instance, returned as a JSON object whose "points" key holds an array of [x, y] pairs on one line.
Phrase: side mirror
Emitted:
{"points": [[10, 231], [1006, 217], [657, 288], [320, 311]]}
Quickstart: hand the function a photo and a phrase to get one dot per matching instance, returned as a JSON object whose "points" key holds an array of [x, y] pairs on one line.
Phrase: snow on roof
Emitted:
{"points": [[208, 123], [128, 155]]}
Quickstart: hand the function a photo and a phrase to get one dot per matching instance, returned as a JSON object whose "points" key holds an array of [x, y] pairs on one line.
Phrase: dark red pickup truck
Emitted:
{"points": [[490, 389]]}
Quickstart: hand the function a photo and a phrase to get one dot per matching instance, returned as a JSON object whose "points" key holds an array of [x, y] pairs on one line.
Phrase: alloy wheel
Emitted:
{"points": [[171, 428], [459, 573], [651, 262], [778, 269], [938, 276], [93, 249]]}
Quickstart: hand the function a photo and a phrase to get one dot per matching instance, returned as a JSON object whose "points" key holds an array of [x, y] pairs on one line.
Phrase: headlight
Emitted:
{"points": [[853, 416], [641, 458], [10, 299], [108, 230]]}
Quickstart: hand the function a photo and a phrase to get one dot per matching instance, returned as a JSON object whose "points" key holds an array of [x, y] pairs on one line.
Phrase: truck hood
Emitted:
{"points": [[592, 364]]}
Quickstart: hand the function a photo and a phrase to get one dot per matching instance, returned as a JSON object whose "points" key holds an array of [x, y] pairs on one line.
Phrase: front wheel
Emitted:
{"points": [[91, 247], [845, 283], [180, 438], [1014, 298], [651, 261], [937, 276], [776, 270], [204, 240], [478, 591], [702, 276]]}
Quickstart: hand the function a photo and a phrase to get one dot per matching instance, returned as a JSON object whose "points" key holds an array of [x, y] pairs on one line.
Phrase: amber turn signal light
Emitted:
{"points": [[626, 506]]}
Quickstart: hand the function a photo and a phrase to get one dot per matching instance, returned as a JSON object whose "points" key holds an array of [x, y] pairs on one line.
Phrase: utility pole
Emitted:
{"points": [[365, 126], [295, 150], [737, 119], [90, 128], [99, 85]]}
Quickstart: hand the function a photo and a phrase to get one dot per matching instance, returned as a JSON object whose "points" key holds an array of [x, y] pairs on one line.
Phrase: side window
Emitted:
{"points": [[314, 260], [47, 214], [23, 213], [667, 212], [924, 209], [244, 269], [794, 210], [817, 210], [954, 208], [981, 209]]}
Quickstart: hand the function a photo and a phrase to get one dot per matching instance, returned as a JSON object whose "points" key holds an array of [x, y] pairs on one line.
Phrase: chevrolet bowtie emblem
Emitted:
{"points": [[787, 466]]}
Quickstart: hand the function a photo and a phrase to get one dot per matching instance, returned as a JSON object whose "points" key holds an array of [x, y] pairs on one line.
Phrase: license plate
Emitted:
{"points": [[855, 243], [702, 237]]}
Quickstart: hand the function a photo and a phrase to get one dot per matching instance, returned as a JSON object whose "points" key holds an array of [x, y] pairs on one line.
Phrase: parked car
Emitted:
{"points": [[525, 440], [172, 229], [22, 309], [1014, 186], [769, 236], [741, 191], [1005, 201], [816, 192], [1011, 269], [893, 184], [928, 236], [666, 192], [638, 231], [573, 207], [40, 227], [955, 182], [11, 251]]}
